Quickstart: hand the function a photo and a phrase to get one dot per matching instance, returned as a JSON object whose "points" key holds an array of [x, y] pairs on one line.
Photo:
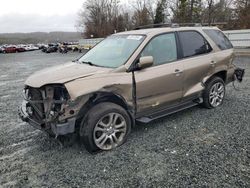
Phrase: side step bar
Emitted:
{"points": [[168, 111]]}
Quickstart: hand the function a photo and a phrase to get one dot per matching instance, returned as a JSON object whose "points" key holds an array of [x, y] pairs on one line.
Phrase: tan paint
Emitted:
{"points": [[117, 82], [63, 73], [158, 85]]}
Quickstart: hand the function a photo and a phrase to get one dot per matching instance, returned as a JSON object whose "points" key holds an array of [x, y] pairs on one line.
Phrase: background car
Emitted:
{"points": [[20, 49], [50, 48], [1, 50], [10, 49]]}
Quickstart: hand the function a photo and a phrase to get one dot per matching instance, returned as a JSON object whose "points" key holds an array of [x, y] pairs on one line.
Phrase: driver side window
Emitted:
{"points": [[162, 48]]}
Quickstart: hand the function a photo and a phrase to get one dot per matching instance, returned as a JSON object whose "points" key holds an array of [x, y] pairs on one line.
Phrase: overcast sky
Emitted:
{"points": [[38, 15]]}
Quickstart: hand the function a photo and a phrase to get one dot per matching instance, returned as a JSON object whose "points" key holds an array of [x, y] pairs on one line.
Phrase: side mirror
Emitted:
{"points": [[145, 62]]}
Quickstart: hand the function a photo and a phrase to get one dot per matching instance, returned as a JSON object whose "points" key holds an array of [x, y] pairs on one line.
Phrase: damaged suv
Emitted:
{"points": [[129, 77]]}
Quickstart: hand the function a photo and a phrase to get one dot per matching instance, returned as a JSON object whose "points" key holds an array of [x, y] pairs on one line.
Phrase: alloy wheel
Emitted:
{"points": [[110, 131], [216, 94]]}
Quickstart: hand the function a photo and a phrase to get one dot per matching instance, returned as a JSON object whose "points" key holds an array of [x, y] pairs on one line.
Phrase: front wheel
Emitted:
{"points": [[106, 127], [214, 93]]}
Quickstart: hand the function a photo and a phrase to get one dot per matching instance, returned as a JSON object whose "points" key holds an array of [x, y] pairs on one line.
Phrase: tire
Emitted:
{"points": [[100, 131], [214, 93]]}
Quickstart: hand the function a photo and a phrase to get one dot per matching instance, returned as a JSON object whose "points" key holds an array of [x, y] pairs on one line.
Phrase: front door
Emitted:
{"points": [[161, 85]]}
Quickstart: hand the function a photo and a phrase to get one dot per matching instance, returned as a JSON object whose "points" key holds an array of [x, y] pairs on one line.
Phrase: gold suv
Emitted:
{"points": [[129, 77]]}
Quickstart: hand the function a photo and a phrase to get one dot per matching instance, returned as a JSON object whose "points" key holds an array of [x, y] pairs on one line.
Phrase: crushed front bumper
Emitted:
{"points": [[22, 112], [60, 128]]}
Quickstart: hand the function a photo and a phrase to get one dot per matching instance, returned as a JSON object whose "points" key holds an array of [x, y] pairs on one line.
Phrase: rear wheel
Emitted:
{"points": [[214, 93], [106, 127]]}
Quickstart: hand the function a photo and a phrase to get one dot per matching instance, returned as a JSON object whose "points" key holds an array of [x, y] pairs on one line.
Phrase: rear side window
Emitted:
{"points": [[219, 38], [193, 43]]}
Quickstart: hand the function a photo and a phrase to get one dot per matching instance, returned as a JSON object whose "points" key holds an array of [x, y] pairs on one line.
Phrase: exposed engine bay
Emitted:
{"points": [[45, 108]]}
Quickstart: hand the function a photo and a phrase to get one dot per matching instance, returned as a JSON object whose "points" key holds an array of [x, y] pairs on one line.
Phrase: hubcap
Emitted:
{"points": [[216, 94], [110, 131]]}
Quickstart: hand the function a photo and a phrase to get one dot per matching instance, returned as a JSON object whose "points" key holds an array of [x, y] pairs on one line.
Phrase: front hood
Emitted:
{"points": [[63, 73]]}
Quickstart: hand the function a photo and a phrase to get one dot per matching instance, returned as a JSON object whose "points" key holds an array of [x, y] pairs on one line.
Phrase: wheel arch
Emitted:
{"points": [[99, 97], [222, 74]]}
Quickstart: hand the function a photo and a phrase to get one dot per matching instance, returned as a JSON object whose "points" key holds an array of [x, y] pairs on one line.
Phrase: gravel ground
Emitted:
{"points": [[193, 148]]}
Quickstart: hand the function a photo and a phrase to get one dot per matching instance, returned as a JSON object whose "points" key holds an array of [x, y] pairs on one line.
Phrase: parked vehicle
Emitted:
{"points": [[44, 48], [10, 49], [30, 47], [74, 48], [1, 50], [139, 75], [20, 49], [41, 46], [50, 48], [63, 49]]}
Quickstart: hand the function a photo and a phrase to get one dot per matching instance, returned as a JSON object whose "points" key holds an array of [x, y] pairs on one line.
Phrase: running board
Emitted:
{"points": [[167, 111]]}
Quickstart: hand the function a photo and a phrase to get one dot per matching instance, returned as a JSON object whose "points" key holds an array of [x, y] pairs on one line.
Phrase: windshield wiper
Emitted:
{"points": [[76, 60], [85, 62], [88, 62]]}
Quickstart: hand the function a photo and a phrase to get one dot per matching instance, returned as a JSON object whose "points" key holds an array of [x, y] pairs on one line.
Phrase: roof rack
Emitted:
{"points": [[153, 26], [175, 25], [168, 25]]}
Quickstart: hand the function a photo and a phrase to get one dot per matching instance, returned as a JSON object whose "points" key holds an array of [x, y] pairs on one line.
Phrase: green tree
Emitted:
{"points": [[195, 11], [160, 12], [182, 12]]}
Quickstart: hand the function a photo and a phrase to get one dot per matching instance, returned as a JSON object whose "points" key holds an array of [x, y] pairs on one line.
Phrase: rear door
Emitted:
{"points": [[197, 61], [161, 84], [224, 55]]}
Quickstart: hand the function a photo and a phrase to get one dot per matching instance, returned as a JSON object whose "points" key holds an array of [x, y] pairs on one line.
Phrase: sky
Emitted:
{"points": [[38, 15]]}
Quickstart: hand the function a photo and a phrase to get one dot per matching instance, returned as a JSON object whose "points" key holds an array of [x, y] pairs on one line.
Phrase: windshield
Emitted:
{"points": [[113, 51]]}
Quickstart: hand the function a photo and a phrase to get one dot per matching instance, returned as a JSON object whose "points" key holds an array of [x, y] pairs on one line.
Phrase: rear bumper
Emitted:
{"points": [[60, 128], [235, 73], [239, 74]]}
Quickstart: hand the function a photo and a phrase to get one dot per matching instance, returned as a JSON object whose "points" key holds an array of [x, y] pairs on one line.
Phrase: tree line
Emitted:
{"points": [[38, 37], [99, 18]]}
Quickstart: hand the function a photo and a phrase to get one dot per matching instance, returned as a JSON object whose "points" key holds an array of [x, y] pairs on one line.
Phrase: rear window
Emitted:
{"points": [[193, 43], [219, 38]]}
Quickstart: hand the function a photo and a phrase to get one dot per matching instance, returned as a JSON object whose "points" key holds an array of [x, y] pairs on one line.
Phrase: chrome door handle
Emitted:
{"points": [[212, 63], [177, 72]]}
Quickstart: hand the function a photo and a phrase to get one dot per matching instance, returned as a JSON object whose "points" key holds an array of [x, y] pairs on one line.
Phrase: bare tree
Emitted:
{"points": [[144, 12], [242, 14], [210, 10], [100, 18]]}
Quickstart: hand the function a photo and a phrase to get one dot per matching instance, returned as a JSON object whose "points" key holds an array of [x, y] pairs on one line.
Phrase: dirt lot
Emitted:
{"points": [[193, 148]]}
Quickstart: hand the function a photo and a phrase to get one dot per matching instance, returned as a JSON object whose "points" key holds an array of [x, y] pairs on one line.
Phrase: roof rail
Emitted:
{"points": [[175, 25], [153, 26]]}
